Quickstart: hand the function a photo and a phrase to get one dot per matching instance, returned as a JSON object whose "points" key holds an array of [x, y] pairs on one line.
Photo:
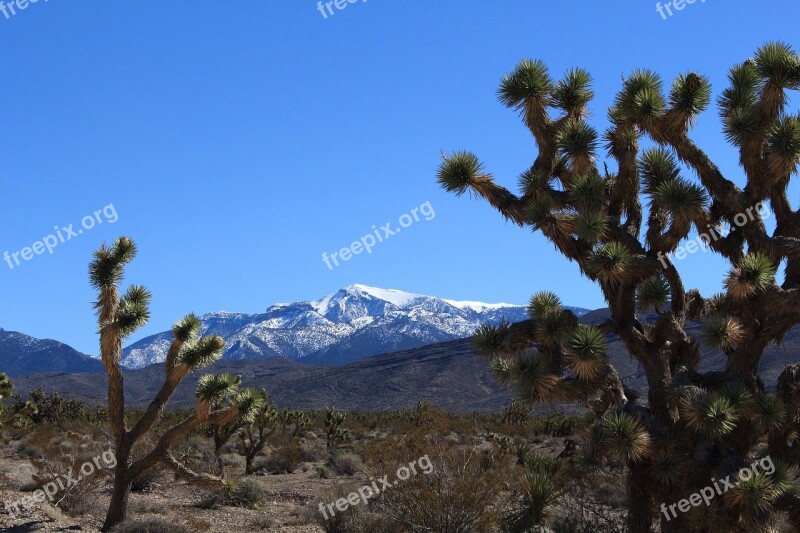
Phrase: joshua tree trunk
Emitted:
{"points": [[642, 509], [119, 497]]}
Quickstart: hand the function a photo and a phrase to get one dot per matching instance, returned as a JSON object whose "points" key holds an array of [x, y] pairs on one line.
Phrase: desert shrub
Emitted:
{"points": [[612, 494], [311, 452], [345, 464], [261, 522], [355, 519], [147, 481], [26, 451], [465, 491], [246, 493], [150, 525], [285, 459]]}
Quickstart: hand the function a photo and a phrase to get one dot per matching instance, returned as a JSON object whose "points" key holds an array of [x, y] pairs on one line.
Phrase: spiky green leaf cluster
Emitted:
{"points": [[187, 328], [488, 339], [654, 293], [755, 492], [770, 412], [754, 273], [658, 166], [249, 403], [544, 303], [625, 436], [202, 352], [576, 139], [573, 92], [586, 346], [720, 331], [683, 200], [532, 379], [640, 99], [711, 415], [458, 171], [501, 369], [217, 388], [690, 93], [610, 262], [534, 182], [107, 268], [133, 311], [668, 465], [592, 226], [586, 193], [783, 140], [778, 64], [530, 81]]}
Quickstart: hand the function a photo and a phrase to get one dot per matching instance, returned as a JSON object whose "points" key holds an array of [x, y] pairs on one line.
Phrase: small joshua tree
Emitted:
{"points": [[223, 388], [333, 427], [294, 421], [6, 389], [118, 317], [696, 426], [256, 432]]}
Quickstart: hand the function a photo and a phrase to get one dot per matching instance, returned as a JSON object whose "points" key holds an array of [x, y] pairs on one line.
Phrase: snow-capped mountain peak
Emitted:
{"points": [[355, 322]]}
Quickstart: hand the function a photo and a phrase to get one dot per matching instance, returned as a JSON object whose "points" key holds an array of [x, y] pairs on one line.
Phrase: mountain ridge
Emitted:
{"points": [[352, 323]]}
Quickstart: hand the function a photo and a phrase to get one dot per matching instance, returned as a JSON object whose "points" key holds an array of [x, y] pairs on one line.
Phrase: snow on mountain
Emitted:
{"points": [[353, 323]]}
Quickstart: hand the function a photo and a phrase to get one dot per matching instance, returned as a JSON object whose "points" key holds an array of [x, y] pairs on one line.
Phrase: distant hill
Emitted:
{"points": [[21, 354], [446, 374]]}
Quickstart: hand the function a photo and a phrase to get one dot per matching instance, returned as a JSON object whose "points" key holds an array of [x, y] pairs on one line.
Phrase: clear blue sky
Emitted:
{"points": [[240, 140]]}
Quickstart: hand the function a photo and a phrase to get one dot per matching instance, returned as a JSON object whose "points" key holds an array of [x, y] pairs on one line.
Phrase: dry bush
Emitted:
{"points": [[356, 519], [345, 464], [286, 457], [247, 493], [466, 491], [62, 460], [151, 525]]}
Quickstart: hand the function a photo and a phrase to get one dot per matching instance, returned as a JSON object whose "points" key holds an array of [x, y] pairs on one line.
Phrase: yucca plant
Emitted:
{"points": [[120, 315], [542, 488], [694, 424]]}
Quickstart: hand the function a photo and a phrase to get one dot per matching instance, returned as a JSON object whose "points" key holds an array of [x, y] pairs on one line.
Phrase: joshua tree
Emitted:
{"points": [[222, 387], [333, 427], [6, 389], [118, 317], [695, 426], [296, 421], [255, 433]]}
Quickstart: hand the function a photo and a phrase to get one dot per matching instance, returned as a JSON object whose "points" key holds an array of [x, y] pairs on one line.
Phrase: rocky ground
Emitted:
{"points": [[286, 506]]}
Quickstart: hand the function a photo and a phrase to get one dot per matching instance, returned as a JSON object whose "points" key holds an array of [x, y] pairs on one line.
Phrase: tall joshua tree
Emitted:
{"points": [[118, 317], [696, 427]]}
